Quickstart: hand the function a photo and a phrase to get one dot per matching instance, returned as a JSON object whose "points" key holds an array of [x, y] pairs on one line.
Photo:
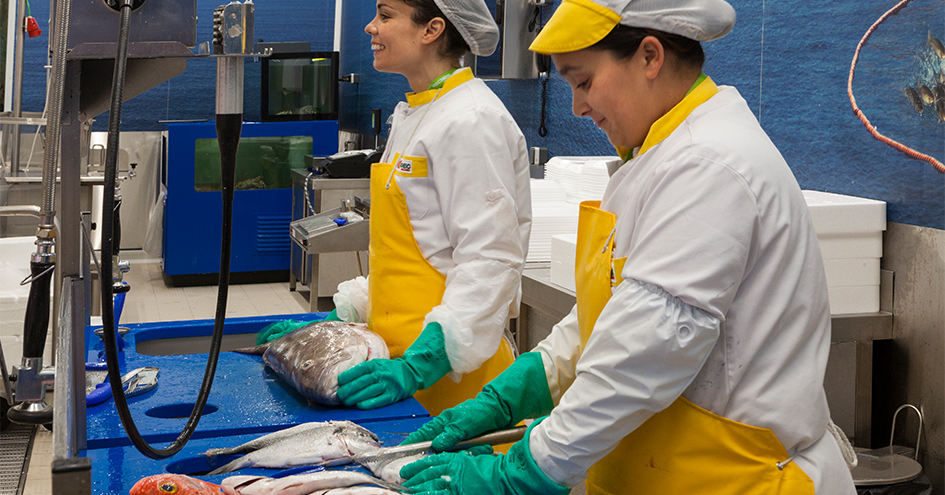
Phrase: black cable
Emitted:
{"points": [[542, 129], [108, 248]]}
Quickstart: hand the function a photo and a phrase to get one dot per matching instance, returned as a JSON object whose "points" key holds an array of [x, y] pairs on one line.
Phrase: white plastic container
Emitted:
{"points": [[850, 233], [563, 249]]}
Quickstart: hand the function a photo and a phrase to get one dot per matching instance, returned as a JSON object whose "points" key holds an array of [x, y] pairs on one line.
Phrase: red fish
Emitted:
{"points": [[177, 484]]}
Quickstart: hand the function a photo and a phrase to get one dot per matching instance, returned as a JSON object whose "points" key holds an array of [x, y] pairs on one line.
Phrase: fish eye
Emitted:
{"points": [[307, 364], [168, 487]]}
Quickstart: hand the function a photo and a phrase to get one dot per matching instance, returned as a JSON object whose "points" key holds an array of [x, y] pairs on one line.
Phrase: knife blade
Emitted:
{"points": [[498, 437]]}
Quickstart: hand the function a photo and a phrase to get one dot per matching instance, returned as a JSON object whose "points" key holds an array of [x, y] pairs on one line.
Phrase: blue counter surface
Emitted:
{"points": [[116, 470], [246, 397]]}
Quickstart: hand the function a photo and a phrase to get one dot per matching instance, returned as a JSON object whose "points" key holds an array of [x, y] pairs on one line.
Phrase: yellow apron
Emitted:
{"points": [[404, 286], [683, 449]]}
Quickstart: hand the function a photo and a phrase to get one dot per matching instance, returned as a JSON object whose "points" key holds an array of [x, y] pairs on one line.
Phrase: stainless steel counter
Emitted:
{"points": [[849, 374]]}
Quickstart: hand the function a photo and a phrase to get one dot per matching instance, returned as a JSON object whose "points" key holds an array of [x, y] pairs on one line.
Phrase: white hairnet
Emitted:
{"points": [[474, 22], [700, 20]]}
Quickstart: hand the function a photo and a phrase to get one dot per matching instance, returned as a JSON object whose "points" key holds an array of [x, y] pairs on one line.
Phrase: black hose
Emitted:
{"points": [[36, 323], [109, 247]]}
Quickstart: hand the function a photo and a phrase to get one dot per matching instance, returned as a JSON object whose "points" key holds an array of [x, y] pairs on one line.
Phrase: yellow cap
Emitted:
{"points": [[575, 25]]}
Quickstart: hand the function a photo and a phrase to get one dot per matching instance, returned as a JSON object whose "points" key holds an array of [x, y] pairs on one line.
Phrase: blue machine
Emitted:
{"points": [[262, 206]]}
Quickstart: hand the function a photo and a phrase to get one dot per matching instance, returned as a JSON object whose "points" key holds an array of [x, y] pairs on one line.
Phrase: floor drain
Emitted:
{"points": [[16, 442]]}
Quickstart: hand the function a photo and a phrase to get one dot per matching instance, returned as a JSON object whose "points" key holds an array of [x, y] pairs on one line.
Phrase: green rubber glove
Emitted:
{"points": [[333, 316], [460, 474], [520, 392], [380, 382], [275, 330]]}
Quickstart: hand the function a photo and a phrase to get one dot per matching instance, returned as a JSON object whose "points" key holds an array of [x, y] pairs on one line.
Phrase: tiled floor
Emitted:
{"points": [[150, 300]]}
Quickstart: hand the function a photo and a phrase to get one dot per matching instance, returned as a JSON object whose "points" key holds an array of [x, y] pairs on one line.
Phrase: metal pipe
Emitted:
{"points": [[54, 117], [17, 85]]}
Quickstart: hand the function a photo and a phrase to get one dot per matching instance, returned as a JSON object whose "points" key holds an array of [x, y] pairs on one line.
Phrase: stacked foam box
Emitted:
{"points": [[563, 249], [556, 198], [850, 233]]}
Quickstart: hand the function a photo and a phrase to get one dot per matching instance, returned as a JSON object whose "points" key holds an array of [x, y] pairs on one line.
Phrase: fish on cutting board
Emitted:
{"points": [[318, 443], [177, 484], [302, 484], [311, 358], [388, 469]]}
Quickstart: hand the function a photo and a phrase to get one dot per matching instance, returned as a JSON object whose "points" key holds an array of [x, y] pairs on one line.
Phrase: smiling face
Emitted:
{"points": [[622, 96], [395, 39]]}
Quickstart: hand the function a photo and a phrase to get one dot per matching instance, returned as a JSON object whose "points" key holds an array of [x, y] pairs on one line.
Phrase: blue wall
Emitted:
{"points": [[191, 94], [790, 59]]}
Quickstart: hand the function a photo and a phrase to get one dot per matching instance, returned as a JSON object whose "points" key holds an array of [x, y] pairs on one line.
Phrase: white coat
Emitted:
{"points": [[711, 218], [471, 215]]}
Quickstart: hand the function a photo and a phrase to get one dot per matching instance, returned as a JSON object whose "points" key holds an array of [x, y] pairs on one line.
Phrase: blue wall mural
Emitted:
{"points": [[790, 59], [191, 94]]}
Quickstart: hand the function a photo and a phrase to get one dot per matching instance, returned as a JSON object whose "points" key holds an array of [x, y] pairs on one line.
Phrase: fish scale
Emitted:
{"points": [[310, 358]]}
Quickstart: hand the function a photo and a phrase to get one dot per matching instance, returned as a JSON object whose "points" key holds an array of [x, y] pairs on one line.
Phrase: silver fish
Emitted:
{"points": [[936, 45], [321, 444], [357, 490], [940, 109], [913, 98], [388, 469], [925, 94], [311, 358], [302, 484]]}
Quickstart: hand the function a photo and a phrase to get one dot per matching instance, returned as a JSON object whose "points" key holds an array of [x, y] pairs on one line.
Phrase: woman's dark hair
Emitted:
{"points": [[623, 42], [454, 46]]}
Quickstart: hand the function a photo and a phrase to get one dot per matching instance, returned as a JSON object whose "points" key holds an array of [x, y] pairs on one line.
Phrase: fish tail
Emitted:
{"points": [[230, 467]]}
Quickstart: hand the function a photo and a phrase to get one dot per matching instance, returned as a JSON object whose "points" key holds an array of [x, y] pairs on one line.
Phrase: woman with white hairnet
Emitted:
{"points": [[450, 215], [693, 361]]}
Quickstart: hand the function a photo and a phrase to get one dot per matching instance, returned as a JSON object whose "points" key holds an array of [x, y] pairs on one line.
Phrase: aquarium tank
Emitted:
{"points": [[299, 86]]}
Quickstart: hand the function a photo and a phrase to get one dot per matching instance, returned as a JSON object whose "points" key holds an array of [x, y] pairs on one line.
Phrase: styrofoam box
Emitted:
{"points": [[563, 249], [838, 213], [852, 272], [849, 300], [851, 245]]}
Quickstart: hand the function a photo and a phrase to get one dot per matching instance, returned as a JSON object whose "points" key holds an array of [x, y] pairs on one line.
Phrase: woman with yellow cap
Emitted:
{"points": [[450, 215], [693, 361]]}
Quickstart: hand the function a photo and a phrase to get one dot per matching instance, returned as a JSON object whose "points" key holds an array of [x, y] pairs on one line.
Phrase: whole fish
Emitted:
{"points": [[926, 94], [177, 484], [311, 358], [357, 490], [913, 98], [938, 91], [321, 444], [301, 484], [940, 109], [388, 469], [936, 45]]}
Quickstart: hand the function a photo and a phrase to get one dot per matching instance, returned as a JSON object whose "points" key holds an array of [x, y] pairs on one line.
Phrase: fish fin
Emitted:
{"points": [[231, 466], [258, 350]]}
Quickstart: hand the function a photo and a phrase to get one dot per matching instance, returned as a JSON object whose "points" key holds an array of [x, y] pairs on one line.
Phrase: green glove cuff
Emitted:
{"points": [[427, 357], [522, 389], [523, 472], [333, 316]]}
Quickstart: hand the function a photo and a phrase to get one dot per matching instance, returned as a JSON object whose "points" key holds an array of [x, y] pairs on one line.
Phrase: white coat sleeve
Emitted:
{"points": [[482, 189], [560, 352], [646, 348]]}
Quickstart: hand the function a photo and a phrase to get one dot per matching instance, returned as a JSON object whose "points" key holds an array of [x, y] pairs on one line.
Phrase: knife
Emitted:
{"points": [[498, 437]]}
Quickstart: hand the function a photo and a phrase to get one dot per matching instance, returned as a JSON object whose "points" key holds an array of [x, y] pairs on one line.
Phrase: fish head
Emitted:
{"points": [[174, 484]]}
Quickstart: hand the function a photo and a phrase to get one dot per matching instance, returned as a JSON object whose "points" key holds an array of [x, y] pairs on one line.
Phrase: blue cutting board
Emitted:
{"points": [[246, 397], [115, 470]]}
